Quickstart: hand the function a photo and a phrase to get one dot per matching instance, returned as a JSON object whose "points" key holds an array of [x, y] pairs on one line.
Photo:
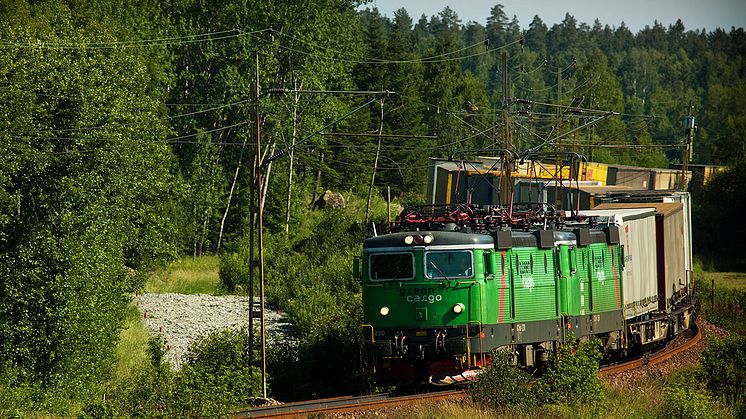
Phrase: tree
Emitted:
{"points": [[87, 190], [536, 36], [497, 26]]}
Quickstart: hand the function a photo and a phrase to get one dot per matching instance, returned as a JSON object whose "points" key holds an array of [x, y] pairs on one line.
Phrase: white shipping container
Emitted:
{"points": [[639, 276], [673, 239]]}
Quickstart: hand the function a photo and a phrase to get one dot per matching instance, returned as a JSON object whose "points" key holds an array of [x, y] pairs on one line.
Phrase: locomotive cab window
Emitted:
{"points": [[391, 266], [449, 264]]}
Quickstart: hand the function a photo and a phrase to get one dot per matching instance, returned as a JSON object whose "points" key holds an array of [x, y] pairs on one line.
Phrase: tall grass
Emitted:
{"points": [[187, 276], [647, 399], [723, 304], [131, 351]]}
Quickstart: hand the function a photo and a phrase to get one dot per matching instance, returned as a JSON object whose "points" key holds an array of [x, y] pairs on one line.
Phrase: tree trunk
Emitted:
{"points": [[318, 180], [230, 195], [291, 160], [268, 152]]}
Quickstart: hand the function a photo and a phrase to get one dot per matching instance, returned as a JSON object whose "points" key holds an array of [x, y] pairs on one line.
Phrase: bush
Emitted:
{"points": [[234, 270], [216, 377], [501, 384], [572, 374], [325, 360], [723, 368], [682, 402], [309, 276], [716, 239]]}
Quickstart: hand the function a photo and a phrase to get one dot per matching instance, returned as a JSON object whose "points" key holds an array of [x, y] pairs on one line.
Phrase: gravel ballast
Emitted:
{"points": [[181, 319]]}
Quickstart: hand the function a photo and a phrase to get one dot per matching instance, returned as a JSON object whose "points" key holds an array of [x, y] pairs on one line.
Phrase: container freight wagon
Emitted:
{"points": [[640, 199], [637, 235], [478, 181], [674, 310], [637, 231], [671, 238]]}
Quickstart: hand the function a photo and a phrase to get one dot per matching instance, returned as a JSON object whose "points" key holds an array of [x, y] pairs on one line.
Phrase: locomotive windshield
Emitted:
{"points": [[391, 266], [449, 264]]}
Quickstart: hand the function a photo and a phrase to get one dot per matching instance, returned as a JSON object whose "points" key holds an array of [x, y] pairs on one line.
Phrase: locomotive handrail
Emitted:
{"points": [[372, 332], [464, 282]]}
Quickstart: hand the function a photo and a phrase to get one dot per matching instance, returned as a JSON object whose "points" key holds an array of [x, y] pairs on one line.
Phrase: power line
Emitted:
{"points": [[129, 124], [179, 40], [579, 109], [361, 57], [367, 60], [172, 140]]}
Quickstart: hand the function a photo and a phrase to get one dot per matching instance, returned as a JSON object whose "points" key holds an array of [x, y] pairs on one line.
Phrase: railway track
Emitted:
{"points": [[653, 358], [379, 401], [345, 404]]}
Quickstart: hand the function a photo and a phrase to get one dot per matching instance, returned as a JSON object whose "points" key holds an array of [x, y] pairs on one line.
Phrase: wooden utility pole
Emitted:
{"points": [[252, 187], [259, 228]]}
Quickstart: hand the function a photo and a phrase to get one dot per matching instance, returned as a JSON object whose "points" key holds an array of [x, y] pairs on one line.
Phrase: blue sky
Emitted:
{"points": [[696, 14]]}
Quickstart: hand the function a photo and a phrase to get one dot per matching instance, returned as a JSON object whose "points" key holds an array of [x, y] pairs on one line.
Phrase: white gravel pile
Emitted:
{"points": [[181, 319]]}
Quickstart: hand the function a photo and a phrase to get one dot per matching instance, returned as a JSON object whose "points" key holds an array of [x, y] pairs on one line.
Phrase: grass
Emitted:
{"points": [[188, 276], [442, 410], [725, 304], [131, 352], [642, 401], [732, 280]]}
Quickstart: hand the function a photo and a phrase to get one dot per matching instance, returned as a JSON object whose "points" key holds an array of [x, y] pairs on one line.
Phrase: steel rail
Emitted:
{"points": [[347, 404], [344, 405]]}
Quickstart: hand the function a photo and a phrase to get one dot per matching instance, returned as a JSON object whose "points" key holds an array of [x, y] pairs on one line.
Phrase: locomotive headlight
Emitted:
{"points": [[458, 308], [384, 311], [428, 239], [408, 240]]}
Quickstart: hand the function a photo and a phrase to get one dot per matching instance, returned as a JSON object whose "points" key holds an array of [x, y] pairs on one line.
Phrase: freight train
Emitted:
{"points": [[450, 284]]}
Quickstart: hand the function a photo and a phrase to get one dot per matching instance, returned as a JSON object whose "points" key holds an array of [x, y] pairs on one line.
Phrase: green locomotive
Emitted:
{"points": [[436, 302]]}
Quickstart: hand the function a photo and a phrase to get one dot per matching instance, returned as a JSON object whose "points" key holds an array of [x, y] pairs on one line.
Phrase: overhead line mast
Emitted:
{"points": [[507, 193]]}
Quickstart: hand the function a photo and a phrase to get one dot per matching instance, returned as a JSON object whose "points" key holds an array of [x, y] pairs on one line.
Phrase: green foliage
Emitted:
{"points": [[324, 361], [721, 199], [687, 403], [234, 269], [572, 374], [310, 279], [218, 375], [723, 369], [722, 305], [85, 190], [501, 384]]}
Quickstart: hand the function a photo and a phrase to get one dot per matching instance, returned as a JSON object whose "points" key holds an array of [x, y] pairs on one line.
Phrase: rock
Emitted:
{"points": [[331, 199]]}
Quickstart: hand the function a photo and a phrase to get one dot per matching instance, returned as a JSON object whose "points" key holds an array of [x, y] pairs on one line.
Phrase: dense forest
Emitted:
{"points": [[127, 130]]}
